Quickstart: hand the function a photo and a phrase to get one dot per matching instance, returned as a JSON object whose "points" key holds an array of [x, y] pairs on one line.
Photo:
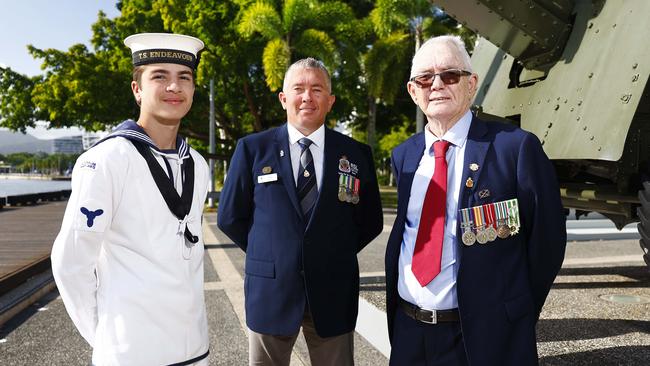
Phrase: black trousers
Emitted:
{"points": [[419, 344]]}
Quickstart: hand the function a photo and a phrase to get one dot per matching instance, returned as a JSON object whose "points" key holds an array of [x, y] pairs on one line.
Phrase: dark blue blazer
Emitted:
{"points": [[501, 285], [291, 259]]}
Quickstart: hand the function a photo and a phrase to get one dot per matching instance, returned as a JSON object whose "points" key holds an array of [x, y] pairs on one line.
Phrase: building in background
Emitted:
{"points": [[67, 145], [88, 139]]}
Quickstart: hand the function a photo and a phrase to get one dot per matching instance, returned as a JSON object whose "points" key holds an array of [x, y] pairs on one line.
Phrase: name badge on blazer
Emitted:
{"points": [[267, 178]]}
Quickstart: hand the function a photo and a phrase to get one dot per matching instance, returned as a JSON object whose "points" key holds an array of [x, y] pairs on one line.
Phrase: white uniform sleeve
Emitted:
{"points": [[77, 247]]}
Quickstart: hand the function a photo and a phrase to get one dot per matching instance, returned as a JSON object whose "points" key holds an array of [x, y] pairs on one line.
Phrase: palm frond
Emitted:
{"points": [[297, 14], [275, 60], [262, 18], [388, 17], [329, 14], [318, 44], [384, 66]]}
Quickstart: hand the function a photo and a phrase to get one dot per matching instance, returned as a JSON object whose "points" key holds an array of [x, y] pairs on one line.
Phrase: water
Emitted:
{"points": [[11, 187]]}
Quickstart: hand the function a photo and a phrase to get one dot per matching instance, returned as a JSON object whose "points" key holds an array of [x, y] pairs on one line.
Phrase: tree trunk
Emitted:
{"points": [[257, 122], [372, 122]]}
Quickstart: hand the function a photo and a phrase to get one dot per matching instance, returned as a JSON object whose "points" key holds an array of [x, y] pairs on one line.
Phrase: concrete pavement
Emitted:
{"points": [[595, 314]]}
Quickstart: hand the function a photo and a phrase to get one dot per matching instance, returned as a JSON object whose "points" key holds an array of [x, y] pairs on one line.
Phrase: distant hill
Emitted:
{"points": [[15, 142]]}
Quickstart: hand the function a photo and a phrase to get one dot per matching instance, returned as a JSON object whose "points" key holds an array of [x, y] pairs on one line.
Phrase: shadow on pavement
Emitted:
{"points": [[220, 246], [552, 330], [638, 276], [639, 273], [372, 283], [625, 355], [16, 321]]}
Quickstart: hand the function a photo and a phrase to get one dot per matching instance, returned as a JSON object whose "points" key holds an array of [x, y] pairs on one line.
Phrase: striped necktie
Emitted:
{"points": [[306, 186]]}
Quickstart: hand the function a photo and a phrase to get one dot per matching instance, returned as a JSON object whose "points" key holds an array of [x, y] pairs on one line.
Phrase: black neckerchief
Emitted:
{"points": [[179, 206]]}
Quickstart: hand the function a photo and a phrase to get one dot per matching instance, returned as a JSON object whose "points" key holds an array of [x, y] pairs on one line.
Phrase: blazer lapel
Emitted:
{"points": [[412, 157], [475, 152], [283, 154]]}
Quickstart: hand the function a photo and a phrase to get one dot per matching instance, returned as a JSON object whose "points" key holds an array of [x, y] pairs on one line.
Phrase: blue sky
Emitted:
{"points": [[45, 24]]}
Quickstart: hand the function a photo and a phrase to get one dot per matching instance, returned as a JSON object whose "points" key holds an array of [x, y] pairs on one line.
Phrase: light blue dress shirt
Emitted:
{"points": [[440, 293]]}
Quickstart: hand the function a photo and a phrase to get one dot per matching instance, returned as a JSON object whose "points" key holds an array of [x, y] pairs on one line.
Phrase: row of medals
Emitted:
{"points": [[348, 188], [490, 231]]}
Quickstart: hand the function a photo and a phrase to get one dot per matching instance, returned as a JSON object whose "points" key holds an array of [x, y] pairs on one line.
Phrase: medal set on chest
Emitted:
{"points": [[349, 184], [488, 222]]}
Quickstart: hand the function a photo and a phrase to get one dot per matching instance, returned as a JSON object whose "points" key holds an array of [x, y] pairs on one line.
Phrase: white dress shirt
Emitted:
{"points": [[440, 293], [317, 149]]}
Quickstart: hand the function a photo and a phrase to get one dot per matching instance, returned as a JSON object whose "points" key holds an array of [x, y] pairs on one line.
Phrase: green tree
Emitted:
{"points": [[295, 28], [249, 44], [90, 87], [385, 67], [418, 18], [17, 110]]}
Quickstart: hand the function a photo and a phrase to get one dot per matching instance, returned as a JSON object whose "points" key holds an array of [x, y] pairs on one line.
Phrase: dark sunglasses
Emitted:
{"points": [[448, 77]]}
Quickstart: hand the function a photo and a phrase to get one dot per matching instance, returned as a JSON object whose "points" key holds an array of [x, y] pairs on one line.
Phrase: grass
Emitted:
{"points": [[388, 196]]}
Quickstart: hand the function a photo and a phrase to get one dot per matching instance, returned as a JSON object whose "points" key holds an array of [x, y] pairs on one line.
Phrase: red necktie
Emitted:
{"points": [[428, 244]]}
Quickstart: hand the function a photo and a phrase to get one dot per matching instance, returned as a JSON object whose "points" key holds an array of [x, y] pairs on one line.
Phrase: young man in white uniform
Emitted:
{"points": [[128, 261]]}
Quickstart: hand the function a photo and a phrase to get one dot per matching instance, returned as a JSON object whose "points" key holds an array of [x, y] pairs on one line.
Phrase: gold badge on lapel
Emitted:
{"points": [[469, 183], [344, 164], [473, 167], [267, 170]]}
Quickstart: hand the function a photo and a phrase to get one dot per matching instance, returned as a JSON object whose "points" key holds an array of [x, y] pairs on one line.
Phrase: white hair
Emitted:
{"points": [[451, 40]]}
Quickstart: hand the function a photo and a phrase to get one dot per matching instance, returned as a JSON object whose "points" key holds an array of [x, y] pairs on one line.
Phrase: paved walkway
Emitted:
{"points": [[26, 237], [580, 324]]}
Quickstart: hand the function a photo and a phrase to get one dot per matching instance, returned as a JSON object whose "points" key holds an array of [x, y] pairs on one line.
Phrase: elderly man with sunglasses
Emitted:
{"points": [[480, 232]]}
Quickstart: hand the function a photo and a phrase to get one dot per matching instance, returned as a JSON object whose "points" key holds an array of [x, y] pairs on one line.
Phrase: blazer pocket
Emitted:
{"points": [[518, 307], [260, 268]]}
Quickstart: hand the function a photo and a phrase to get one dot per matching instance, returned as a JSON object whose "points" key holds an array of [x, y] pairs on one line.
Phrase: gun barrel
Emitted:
{"points": [[532, 31]]}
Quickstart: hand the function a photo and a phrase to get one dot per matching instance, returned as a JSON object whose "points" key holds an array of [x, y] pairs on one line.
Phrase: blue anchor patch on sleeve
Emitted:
{"points": [[90, 215]]}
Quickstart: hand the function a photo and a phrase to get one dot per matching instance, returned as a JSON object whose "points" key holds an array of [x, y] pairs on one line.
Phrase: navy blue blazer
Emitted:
{"points": [[501, 285], [290, 259]]}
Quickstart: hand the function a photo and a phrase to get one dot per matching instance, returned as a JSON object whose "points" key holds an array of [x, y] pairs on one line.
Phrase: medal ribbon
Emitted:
{"points": [[478, 216], [501, 216], [489, 208], [470, 212], [356, 186], [513, 210], [465, 219]]}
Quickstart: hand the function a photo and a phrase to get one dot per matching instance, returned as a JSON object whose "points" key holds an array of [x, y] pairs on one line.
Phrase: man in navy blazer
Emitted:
{"points": [[301, 200], [501, 236]]}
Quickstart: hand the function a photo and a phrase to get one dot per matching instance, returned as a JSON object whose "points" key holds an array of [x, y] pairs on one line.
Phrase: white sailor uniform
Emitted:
{"points": [[130, 280]]}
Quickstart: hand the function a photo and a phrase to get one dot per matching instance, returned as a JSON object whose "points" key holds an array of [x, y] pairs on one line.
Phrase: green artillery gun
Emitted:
{"points": [[575, 73]]}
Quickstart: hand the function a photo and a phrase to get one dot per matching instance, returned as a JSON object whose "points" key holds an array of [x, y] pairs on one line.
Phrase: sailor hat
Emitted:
{"points": [[155, 48]]}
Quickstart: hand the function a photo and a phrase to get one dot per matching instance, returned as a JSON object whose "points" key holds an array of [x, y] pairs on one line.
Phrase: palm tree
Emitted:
{"points": [[418, 18], [402, 16], [294, 28], [384, 69]]}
